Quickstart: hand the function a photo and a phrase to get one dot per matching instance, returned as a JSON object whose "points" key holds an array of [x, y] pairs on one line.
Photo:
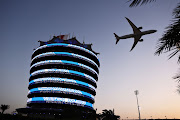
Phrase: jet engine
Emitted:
{"points": [[140, 28], [140, 40]]}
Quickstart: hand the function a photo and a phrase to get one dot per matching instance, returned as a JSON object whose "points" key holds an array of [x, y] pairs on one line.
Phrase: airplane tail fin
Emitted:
{"points": [[117, 38]]}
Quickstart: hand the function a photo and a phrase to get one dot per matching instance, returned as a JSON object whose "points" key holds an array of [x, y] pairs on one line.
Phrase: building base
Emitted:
{"points": [[62, 114]]}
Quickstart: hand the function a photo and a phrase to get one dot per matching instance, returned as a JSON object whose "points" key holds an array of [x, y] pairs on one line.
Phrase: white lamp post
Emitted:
{"points": [[136, 93]]}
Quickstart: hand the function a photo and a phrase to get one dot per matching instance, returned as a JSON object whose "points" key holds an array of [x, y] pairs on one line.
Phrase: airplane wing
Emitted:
{"points": [[136, 39], [135, 29]]}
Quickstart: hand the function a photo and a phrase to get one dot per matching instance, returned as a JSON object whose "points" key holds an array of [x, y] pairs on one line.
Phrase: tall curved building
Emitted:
{"points": [[63, 75]]}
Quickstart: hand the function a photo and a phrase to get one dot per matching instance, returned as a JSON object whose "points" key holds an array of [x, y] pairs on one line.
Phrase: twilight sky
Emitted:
{"points": [[23, 23]]}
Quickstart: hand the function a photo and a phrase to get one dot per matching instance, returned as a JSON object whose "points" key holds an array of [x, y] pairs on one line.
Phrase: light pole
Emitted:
{"points": [[136, 93]]}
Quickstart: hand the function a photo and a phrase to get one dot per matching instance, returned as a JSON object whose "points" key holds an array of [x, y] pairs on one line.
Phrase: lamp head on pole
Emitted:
{"points": [[136, 92]]}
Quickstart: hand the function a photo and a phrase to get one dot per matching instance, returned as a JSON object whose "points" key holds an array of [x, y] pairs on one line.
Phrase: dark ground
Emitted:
{"points": [[20, 117]]}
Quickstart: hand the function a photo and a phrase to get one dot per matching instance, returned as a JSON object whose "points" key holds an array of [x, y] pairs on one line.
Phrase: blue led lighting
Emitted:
{"points": [[60, 90], [64, 62], [59, 100], [65, 54], [66, 45], [61, 80], [63, 71]]}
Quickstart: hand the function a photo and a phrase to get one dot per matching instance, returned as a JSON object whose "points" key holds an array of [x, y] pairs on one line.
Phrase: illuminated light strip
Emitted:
{"points": [[64, 71], [60, 90], [65, 53], [66, 45], [82, 48], [44, 54], [64, 62], [59, 100], [61, 80]]}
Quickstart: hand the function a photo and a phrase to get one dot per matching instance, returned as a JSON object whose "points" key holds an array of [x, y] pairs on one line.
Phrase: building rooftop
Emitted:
{"points": [[73, 41]]}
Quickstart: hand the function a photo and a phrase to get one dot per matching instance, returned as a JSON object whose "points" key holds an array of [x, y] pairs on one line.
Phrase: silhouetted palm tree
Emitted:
{"points": [[170, 40], [109, 115], [4, 107], [178, 89], [177, 77], [98, 116], [137, 2]]}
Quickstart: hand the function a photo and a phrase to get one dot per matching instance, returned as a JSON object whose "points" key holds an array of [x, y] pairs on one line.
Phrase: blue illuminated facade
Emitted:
{"points": [[63, 74]]}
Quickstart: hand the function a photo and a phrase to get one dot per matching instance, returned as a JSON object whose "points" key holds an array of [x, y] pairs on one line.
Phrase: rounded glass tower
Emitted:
{"points": [[63, 74]]}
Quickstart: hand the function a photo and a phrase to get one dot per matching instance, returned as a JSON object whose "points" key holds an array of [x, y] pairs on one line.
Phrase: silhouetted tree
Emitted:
{"points": [[98, 116], [170, 40], [178, 89], [4, 107], [177, 77], [137, 2], [109, 115]]}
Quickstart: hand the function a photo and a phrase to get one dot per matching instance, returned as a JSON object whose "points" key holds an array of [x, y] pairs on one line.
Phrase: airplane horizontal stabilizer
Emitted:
{"points": [[117, 38]]}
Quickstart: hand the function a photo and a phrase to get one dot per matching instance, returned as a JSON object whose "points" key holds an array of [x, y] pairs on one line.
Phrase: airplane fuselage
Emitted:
{"points": [[137, 34]]}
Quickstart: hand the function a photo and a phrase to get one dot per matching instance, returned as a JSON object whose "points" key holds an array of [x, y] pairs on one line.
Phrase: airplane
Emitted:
{"points": [[137, 34]]}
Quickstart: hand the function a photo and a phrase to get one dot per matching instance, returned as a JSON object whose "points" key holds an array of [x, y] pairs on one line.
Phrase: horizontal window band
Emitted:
{"points": [[66, 45], [59, 100], [65, 54], [61, 90], [63, 71], [46, 62], [61, 80]]}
